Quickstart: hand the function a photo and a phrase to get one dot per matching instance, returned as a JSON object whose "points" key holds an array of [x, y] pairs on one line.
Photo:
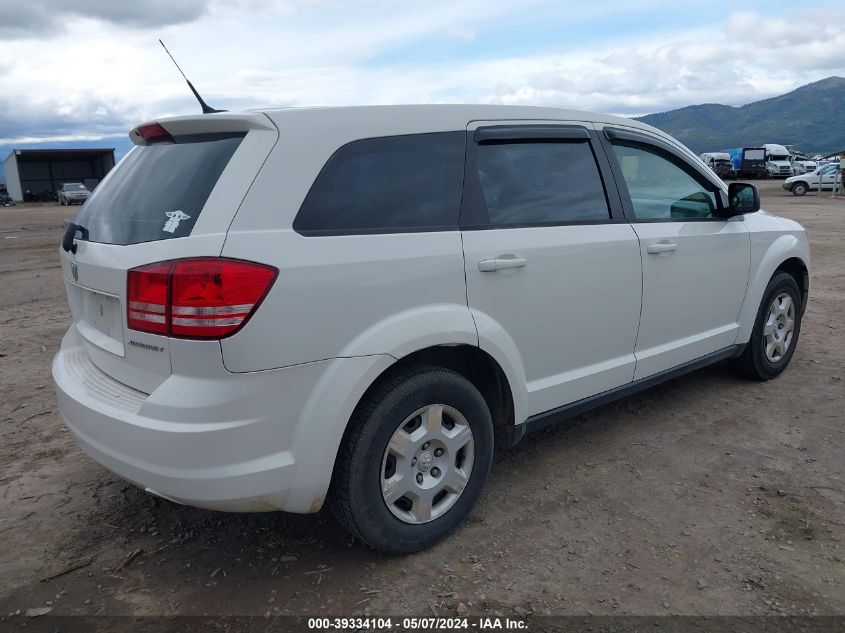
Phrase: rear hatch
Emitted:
{"points": [[173, 196]]}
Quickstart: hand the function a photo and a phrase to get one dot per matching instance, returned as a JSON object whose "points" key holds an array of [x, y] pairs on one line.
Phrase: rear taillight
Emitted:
{"points": [[202, 297], [147, 292]]}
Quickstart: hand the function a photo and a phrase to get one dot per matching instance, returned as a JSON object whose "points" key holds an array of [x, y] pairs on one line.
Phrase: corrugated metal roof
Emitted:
{"points": [[54, 154]]}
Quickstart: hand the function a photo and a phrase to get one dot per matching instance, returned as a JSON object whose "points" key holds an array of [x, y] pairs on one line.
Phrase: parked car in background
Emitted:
{"points": [[73, 193], [801, 184], [720, 163], [357, 315]]}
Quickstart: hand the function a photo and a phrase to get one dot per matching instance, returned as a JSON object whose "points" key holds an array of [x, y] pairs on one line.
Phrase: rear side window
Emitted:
{"points": [[541, 183], [394, 183], [157, 191]]}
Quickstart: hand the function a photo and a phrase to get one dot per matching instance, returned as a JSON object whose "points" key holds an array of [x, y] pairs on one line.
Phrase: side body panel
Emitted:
{"points": [[692, 295], [567, 320], [773, 241], [351, 295], [570, 315]]}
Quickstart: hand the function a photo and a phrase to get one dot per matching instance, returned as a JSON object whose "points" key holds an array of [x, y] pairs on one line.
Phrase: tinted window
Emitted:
{"points": [[157, 191], [391, 183], [660, 189], [540, 183]]}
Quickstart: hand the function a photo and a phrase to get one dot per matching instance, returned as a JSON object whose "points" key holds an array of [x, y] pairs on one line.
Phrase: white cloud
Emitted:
{"points": [[34, 19], [105, 72]]}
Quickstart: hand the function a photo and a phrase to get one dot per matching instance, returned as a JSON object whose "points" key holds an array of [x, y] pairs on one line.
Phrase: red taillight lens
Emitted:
{"points": [[213, 297], [147, 292], [154, 133], [204, 297]]}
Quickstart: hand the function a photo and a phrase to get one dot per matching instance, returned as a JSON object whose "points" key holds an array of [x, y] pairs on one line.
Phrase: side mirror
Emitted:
{"points": [[742, 198]]}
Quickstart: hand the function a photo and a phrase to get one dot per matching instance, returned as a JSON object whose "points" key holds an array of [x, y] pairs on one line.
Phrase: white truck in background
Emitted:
{"points": [[778, 161], [720, 163], [803, 166]]}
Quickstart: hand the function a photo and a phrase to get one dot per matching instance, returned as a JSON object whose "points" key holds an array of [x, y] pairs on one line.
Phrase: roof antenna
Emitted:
{"points": [[206, 109]]}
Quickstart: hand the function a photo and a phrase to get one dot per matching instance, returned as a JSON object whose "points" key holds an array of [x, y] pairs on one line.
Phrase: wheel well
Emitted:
{"points": [[798, 270], [481, 370]]}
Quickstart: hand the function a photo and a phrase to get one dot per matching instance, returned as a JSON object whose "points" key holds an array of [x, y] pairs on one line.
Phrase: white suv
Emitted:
{"points": [[800, 185], [274, 309]]}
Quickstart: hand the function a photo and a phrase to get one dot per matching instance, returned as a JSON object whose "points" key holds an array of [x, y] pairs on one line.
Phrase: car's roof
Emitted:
{"points": [[391, 119], [459, 113], [346, 123]]}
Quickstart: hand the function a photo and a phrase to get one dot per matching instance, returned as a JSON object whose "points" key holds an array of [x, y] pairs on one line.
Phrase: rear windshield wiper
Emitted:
{"points": [[69, 239]]}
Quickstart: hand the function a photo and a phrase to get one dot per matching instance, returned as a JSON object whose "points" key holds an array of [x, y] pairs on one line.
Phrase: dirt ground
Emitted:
{"points": [[706, 495]]}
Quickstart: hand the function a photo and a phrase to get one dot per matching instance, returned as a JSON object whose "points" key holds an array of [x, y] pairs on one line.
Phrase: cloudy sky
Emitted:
{"points": [[82, 72]]}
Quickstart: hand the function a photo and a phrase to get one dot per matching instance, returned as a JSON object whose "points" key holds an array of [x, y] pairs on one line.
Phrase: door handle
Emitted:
{"points": [[660, 247], [500, 263]]}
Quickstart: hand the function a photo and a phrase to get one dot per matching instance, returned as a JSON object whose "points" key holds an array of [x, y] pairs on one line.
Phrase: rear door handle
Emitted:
{"points": [[500, 263], [660, 247]]}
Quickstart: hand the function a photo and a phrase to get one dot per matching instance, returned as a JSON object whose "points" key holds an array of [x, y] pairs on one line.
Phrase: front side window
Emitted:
{"points": [[540, 183], [660, 189], [394, 183]]}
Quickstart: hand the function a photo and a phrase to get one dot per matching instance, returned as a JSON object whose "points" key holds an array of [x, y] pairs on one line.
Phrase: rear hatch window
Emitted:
{"points": [[157, 191]]}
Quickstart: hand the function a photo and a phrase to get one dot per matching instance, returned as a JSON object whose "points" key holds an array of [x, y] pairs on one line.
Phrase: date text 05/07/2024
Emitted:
{"points": [[417, 623]]}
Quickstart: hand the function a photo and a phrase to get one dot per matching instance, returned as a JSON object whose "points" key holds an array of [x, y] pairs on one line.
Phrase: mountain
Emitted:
{"points": [[811, 117]]}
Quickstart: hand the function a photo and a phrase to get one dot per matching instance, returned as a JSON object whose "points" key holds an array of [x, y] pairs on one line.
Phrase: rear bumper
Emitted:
{"points": [[235, 442]]}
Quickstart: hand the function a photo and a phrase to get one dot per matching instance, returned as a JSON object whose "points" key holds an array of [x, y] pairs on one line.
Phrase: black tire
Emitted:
{"points": [[753, 363], [356, 496], [800, 189]]}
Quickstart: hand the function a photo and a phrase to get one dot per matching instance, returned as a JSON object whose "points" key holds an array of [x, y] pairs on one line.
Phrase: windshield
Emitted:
{"points": [[157, 191], [75, 186]]}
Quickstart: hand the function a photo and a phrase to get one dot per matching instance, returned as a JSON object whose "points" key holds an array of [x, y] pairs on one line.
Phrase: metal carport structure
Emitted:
{"points": [[45, 170]]}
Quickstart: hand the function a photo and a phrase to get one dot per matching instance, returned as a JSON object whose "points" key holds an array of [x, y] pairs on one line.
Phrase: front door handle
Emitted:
{"points": [[660, 247], [500, 263]]}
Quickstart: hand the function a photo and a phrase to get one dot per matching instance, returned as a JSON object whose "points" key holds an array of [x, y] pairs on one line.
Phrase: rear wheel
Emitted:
{"points": [[799, 189], [414, 460], [776, 331]]}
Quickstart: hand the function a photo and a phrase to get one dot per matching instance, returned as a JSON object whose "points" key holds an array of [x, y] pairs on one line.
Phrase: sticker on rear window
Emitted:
{"points": [[173, 220]]}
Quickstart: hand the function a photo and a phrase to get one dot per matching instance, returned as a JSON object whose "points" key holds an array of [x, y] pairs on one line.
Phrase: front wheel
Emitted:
{"points": [[775, 333], [799, 189], [414, 460]]}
